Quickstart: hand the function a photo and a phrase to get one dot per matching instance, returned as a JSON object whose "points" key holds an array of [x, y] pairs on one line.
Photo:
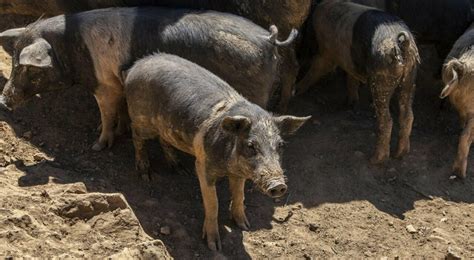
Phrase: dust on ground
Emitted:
{"points": [[59, 198]]}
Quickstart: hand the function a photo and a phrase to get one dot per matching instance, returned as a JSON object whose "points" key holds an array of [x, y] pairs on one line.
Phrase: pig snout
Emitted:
{"points": [[277, 189], [3, 103], [11, 97]]}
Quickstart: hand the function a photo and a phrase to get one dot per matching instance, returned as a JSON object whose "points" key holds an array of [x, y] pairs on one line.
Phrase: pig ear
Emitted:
{"points": [[452, 71], [8, 37], [37, 54], [236, 124], [288, 125]]}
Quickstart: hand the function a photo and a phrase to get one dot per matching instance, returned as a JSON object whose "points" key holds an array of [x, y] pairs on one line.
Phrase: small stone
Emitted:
{"points": [[228, 229], [443, 220], [313, 227], [28, 135], [411, 229], [41, 144], [277, 200], [392, 170], [165, 230], [38, 157], [359, 154], [7, 159], [390, 223], [452, 177], [452, 254]]}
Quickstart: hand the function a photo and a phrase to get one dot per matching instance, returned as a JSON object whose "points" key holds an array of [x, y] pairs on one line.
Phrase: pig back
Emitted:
{"points": [[175, 96], [232, 47]]}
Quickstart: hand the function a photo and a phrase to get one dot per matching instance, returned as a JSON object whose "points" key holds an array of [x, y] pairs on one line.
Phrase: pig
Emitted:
{"points": [[438, 22], [285, 14], [458, 77], [91, 48], [189, 108], [372, 47]]}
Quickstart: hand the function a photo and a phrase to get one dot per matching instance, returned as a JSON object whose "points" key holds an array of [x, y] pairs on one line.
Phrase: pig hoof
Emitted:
{"points": [[240, 219], [459, 170], [401, 154], [145, 177], [378, 159], [213, 238], [98, 146], [242, 222], [143, 169]]}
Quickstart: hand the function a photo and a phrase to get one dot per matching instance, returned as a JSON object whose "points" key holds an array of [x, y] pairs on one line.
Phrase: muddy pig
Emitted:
{"points": [[91, 48], [458, 77], [374, 48], [438, 22], [191, 109]]}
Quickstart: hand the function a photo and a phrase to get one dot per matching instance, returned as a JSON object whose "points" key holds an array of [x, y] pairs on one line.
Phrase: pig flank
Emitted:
{"points": [[92, 48], [193, 110], [458, 77], [375, 48]]}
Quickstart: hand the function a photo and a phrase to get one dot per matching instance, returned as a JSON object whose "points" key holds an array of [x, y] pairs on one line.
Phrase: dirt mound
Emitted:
{"points": [[64, 220]]}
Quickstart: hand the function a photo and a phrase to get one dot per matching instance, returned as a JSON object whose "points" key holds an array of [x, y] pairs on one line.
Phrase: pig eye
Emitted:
{"points": [[280, 146], [251, 148]]}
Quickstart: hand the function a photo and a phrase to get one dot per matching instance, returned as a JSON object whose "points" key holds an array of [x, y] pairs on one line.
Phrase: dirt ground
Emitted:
{"points": [[59, 198]]}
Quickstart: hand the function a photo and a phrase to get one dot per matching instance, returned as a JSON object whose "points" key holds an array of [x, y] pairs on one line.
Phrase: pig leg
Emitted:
{"points": [[320, 66], [382, 93], [465, 141], [123, 119], [109, 103], [352, 91], [142, 163], [211, 207], [237, 207], [406, 117], [289, 69], [172, 158]]}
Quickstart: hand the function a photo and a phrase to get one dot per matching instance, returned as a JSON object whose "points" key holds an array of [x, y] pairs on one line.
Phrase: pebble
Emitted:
{"points": [[313, 227], [411, 229], [392, 170], [28, 135], [38, 157], [165, 230], [359, 154], [452, 254], [228, 229]]}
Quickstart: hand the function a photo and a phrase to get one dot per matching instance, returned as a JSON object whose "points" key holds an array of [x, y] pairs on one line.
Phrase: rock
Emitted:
{"points": [[313, 227], [39, 157], [28, 135], [392, 170], [411, 229], [7, 159], [228, 229], [165, 230], [453, 254], [359, 154]]}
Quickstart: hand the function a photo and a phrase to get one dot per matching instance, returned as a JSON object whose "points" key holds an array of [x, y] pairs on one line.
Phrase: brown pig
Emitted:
{"points": [[192, 110], [458, 77]]}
